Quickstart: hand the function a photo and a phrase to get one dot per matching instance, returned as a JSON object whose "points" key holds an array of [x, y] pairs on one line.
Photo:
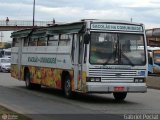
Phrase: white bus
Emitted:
{"points": [[153, 60], [90, 56]]}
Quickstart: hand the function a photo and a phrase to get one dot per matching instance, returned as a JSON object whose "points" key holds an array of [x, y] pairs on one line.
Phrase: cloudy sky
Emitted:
{"points": [[143, 11]]}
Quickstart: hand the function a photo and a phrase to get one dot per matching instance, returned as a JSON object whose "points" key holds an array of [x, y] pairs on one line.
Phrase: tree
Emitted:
{"points": [[7, 45]]}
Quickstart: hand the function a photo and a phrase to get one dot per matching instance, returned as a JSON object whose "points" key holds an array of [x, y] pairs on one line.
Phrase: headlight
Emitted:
{"points": [[93, 79], [139, 80]]}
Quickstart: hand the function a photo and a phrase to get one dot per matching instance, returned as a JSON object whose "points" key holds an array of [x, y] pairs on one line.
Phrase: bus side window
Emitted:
{"points": [[80, 49], [26, 41], [85, 53], [16, 42], [64, 40], [42, 41], [53, 40], [33, 42]]}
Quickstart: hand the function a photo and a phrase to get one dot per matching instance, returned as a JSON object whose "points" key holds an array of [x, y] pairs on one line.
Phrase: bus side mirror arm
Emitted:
{"points": [[87, 38]]}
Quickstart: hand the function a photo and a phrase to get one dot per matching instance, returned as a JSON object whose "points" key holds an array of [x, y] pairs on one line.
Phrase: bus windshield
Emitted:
{"points": [[117, 49]]}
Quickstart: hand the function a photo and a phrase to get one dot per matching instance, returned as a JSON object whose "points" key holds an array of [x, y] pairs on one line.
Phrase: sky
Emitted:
{"points": [[141, 11]]}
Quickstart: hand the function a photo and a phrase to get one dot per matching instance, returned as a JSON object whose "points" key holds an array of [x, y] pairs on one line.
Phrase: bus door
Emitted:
{"points": [[82, 64], [75, 50], [76, 57]]}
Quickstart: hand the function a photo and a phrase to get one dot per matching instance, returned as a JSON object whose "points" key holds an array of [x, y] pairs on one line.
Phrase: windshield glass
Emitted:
{"points": [[5, 60], [157, 57], [116, 48]]}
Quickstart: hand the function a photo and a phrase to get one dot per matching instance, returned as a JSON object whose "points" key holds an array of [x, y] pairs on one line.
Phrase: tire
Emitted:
{"points": [[119, 96], [67, 87]]}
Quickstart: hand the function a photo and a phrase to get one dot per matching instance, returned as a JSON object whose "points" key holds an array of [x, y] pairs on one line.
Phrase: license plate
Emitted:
{"points": [[118, 89]]}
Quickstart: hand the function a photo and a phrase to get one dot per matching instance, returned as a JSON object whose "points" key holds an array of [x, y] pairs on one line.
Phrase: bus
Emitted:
{"points": [[153, 60], [88, 56]]}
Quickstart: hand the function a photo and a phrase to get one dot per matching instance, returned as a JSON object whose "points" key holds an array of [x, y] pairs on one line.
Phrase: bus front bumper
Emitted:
{"points": [[112, 87]]}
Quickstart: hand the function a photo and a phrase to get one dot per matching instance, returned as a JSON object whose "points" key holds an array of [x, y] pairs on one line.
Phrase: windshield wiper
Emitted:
{"points": [[127, 59], [119, 57]]}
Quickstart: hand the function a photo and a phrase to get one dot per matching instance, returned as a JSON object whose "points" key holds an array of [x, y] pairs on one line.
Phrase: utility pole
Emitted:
{"points": [[33, 12]]}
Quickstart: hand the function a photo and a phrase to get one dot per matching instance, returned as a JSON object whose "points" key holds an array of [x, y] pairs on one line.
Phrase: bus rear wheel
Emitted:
{"points": [[119, 96], [67, 87]]}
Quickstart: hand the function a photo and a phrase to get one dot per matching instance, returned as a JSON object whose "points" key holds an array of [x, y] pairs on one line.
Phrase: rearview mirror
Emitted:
{"points": [[87, 38]]}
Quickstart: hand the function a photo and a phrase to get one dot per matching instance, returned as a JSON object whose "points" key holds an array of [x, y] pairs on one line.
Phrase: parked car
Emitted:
{"points": [[5, 64]]}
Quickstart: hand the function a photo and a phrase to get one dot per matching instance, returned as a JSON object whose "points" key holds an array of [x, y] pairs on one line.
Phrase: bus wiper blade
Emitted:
{"points": [[128, 59]]}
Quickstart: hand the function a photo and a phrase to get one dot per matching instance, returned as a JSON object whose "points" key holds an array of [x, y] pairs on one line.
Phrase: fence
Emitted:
{"points": [[24, 23]]}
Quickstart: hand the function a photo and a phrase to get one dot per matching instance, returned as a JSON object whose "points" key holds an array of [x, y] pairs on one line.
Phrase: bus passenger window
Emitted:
{"points": [[73, 46], [42, 41], [26, 41], [16, 42], [85, 53], [80, 49], [53, 40], [33, 42], [64, 40]]}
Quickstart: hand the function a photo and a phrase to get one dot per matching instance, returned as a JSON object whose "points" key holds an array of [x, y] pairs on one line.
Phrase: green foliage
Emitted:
{"points": [[7, 45]]}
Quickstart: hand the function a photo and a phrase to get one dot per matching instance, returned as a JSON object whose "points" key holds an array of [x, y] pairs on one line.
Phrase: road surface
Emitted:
{"points": [[48, 103]]}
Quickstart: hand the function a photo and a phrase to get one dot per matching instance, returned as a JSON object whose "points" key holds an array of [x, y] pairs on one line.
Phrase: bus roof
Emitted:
{"points": [[63, 28], [49, 30]]}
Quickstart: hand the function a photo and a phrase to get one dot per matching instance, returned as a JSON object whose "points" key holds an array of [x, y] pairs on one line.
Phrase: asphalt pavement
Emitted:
{"points": [[50, 104]]}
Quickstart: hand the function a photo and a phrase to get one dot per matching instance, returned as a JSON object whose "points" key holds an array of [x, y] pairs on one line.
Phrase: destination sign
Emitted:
{"points": [[116, 27]]}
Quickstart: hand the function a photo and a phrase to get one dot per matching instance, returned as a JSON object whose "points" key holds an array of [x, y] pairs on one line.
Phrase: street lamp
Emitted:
{"points": [[33, 11]]}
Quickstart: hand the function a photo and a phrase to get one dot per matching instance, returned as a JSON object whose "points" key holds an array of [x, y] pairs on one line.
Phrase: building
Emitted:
{"points": [[153, 37], [2, 44]]}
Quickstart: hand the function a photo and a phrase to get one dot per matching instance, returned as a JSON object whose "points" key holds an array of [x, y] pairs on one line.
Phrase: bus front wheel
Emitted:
{"points": [[67, 87], [120, 96]]}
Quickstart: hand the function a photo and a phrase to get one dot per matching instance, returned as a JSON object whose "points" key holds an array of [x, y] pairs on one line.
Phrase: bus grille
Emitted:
{"points": [[113, 75]]}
